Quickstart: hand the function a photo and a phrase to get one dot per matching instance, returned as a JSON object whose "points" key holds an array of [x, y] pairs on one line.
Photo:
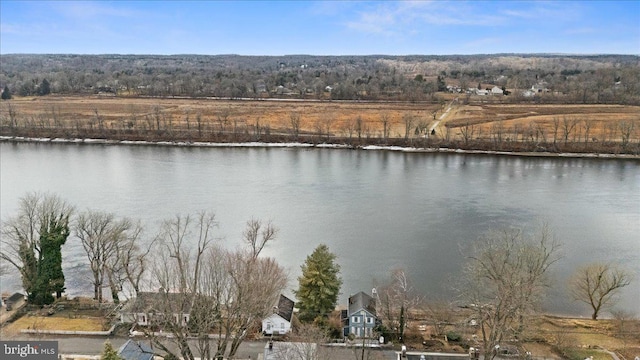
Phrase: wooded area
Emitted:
{"points": [[566, 79], [523, 103]]}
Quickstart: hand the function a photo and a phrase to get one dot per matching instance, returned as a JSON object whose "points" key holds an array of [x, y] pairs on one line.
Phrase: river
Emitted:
{"points": [[376, 210]]}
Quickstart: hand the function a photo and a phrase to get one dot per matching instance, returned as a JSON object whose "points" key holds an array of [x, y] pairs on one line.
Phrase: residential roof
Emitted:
{"points": [[135, 350], [15, 297], [285, 308], [362, 301], [160, 301]]}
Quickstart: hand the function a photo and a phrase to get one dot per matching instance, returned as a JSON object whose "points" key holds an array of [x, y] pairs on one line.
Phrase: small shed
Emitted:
{"points": [[13, 300]]}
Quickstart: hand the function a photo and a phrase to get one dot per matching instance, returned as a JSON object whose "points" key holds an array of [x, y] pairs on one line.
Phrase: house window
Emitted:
{"points": [[355, 319], [268, 326], [369, 320], [281, 325]]}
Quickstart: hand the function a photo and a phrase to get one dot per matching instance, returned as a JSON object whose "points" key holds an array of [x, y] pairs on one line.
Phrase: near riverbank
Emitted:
{"points": [[548, 337]]}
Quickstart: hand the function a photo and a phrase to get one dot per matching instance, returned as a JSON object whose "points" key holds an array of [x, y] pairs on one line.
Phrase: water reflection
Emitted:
{"points": [[376, 210]]}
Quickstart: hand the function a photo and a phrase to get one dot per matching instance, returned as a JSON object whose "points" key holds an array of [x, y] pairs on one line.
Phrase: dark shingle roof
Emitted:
{"points": [[285, 308], [362, 301], [134, 350], [15, 298], [160, 302]]}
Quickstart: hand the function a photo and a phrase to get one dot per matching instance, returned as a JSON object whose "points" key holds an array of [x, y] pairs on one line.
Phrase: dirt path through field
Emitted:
{"points": [[442, 118]]}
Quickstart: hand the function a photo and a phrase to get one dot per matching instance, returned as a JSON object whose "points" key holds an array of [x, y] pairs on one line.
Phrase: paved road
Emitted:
{"points": [[93, 345]]}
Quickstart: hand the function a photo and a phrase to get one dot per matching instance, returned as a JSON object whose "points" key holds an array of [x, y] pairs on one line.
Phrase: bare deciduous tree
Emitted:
{"points": [[223, 291], [626, 130], [294, 121], [408, 124], [568, 125], [468, 131], [386, 126], [308, 340], [598, 284], [101, 234], [133, 259], [440, 313], [504, 280], [396, 299], [183, 242]]}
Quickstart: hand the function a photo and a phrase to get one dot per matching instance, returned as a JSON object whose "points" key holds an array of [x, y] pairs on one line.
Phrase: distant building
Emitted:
{"points": [[279, 322], [540, 87], [360, 316], [496, 91]]}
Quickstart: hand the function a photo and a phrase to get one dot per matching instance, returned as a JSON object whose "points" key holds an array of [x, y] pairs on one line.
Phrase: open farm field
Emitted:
{"points": [[475, 125], [334, 117], [571, 123]]}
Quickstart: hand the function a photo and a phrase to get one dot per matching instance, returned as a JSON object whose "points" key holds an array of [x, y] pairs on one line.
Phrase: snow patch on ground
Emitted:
{"points": [[322, 146]]}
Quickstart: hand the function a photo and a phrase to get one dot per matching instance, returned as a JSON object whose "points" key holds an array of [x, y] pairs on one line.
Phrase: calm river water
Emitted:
{"points": [[377, 210]]}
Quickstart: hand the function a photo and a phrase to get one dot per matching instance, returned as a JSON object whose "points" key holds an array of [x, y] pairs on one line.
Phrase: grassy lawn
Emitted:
{"points": [[55, 323]]}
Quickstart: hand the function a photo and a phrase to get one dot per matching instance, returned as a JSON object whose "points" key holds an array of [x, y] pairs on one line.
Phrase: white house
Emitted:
{"points": [[279, 322], [496, 91], [150, 307]]}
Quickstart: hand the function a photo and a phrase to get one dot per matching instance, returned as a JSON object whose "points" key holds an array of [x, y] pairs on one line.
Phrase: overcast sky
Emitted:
{"points": [[320, 28]]}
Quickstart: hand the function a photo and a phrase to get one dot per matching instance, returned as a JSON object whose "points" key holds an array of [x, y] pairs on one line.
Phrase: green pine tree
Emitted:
{"points": [[319, 285], [6, 93], [50, 278], [44, 88], [109, 353]]}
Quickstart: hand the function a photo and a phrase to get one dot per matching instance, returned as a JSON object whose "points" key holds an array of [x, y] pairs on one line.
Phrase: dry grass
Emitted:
{"points": [[56, 323], [604, 121], [337, 116], [480, 126], [51, 323]]}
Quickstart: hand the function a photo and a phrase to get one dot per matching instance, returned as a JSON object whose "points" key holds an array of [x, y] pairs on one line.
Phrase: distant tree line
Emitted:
{"points": [[569, 79]]}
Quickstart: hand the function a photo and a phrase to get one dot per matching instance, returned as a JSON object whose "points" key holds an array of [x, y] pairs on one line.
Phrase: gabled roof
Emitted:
{"points": [[285, 308], [159, 302], [15, 298], [134, 350], [361, 301]]}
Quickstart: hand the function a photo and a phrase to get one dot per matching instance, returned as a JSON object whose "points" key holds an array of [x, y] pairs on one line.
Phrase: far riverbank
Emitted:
{"points": [[255, 144]]}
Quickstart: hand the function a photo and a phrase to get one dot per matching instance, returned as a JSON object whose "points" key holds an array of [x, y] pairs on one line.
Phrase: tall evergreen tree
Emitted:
{"points": [[6, 93], [50, 278], [109, 353], [44, 88], [319, 285]]}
